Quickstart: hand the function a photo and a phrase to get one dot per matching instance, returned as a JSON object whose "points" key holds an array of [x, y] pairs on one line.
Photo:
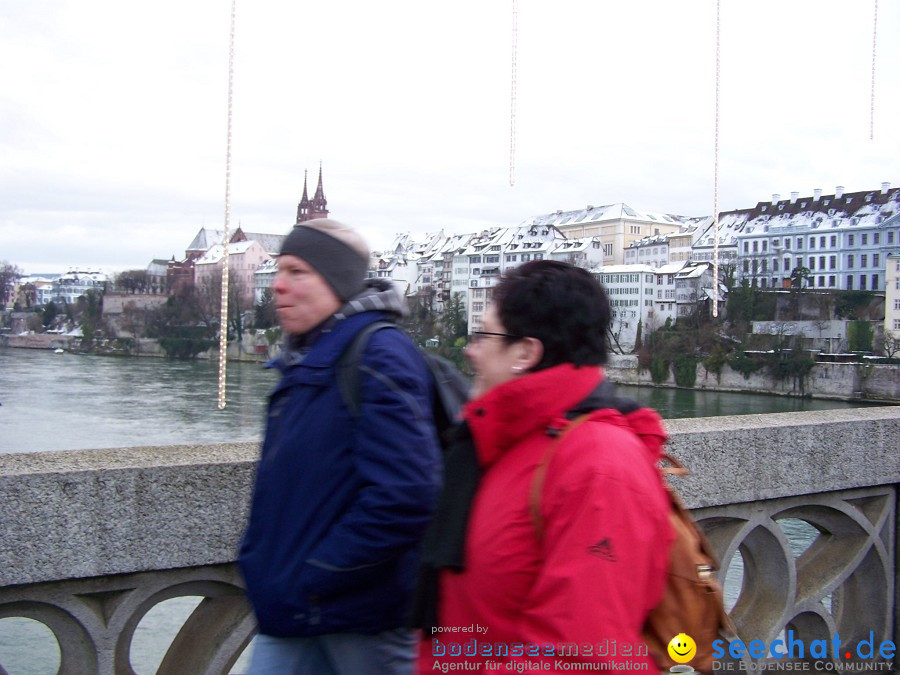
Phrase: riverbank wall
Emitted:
{"points": [[237, 351], [843, 381]]}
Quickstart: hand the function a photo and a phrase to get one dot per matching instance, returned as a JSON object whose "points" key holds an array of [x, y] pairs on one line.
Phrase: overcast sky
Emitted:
{"points": [[113, 114]]}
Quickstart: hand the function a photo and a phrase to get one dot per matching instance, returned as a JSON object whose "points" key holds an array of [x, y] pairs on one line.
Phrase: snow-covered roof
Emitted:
{"points": [[267, 267], [574, 245], [208, 237], [627, 269], [670, 268], [596, 214], [869, 208], [75, 274], [215, 254], [693, 271]]}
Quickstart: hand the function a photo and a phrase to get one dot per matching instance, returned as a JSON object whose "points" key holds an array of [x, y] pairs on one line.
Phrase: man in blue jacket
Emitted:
{"points": [[341, 501]]}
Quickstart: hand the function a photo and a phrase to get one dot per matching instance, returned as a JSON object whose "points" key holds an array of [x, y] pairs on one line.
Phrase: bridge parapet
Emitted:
{"points": [[92, 540]]}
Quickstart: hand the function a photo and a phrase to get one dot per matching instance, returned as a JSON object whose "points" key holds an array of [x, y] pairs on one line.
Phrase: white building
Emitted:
{"points": [[586, 252], [263, 278], [664, 302], [842, 239], [491, 253], [616, 225], [631, 290], [892, 296], [694, 289], [76, 282]]}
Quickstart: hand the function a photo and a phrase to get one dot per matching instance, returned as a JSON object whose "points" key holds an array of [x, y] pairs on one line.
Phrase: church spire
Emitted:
{"points": [[319, 205], [303, 206]]}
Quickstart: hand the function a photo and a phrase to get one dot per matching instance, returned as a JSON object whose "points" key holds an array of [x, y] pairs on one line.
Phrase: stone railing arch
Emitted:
{"points": [[94, 620], [843, 583]]}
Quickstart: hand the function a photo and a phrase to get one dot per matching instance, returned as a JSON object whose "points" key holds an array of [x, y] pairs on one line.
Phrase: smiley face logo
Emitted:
{"points": [[682, 648]]}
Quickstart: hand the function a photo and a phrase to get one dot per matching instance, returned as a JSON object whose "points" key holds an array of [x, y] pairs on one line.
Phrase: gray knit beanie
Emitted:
{"points": [[337, 252]]}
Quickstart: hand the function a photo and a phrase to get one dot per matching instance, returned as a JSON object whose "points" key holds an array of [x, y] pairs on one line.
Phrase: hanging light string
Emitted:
{"points": [[512, 97], [223, 316], [874, 44], [716, 174]]}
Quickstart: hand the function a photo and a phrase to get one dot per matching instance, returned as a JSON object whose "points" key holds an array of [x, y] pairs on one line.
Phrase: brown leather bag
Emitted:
{"points": [[692, 602]]}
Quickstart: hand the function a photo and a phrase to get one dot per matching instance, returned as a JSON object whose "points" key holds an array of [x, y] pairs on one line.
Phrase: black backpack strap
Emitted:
{"points": [[348, 365], [451, 390]]}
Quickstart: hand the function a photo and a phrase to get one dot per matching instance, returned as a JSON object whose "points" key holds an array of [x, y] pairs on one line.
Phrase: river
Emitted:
{"points": [[76, 401], [67, 401]]}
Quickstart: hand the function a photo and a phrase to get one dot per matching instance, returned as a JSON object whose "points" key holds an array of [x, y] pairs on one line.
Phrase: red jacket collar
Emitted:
{"points": [[513, 410]]}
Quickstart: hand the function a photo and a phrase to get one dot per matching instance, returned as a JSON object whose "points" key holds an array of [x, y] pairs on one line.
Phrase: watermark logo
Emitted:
{"points": [[682, 649]]}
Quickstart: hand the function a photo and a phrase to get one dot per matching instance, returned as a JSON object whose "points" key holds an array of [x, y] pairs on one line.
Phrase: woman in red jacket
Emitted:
{"points": [[557, 573]]}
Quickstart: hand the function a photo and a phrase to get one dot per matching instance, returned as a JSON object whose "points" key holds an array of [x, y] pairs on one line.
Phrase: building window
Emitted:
{"points": [[874, 282], [849, 282], [849, 240], [746, 247], [764, 282], [812, 242], [787, 244], [831, 281], [862, 282], [865, 239], [799, 242], [822, 242], [890, 237], [832, 262], [875, 238], [821, 262], [812, 262], [774, 264], [833, 241], [849, 261], [863, 261], [875, 260], [821, 282]]}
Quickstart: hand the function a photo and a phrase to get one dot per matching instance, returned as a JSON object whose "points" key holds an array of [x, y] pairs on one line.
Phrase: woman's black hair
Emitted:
{"points": [[563, 306]]}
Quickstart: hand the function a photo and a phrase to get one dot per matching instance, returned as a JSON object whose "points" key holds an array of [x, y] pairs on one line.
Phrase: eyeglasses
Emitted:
{"points": [[478, 335]]}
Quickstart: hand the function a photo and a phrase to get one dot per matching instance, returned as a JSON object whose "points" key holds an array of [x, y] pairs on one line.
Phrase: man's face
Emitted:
{"points": [[303, 299]]}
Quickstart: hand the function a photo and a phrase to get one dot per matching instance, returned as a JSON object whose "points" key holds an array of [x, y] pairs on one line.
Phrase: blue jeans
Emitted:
{"points": [[390, 653]]}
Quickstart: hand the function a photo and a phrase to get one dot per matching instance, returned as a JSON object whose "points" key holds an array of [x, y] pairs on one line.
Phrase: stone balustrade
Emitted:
{"points": [[92, 540]]}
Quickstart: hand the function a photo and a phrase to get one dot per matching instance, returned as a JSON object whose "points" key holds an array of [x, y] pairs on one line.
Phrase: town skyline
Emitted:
{"points": [[114, 119]]}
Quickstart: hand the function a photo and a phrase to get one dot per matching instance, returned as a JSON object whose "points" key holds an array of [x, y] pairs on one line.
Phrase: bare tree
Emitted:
{"points": [[891, 344], [9, 274]]}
